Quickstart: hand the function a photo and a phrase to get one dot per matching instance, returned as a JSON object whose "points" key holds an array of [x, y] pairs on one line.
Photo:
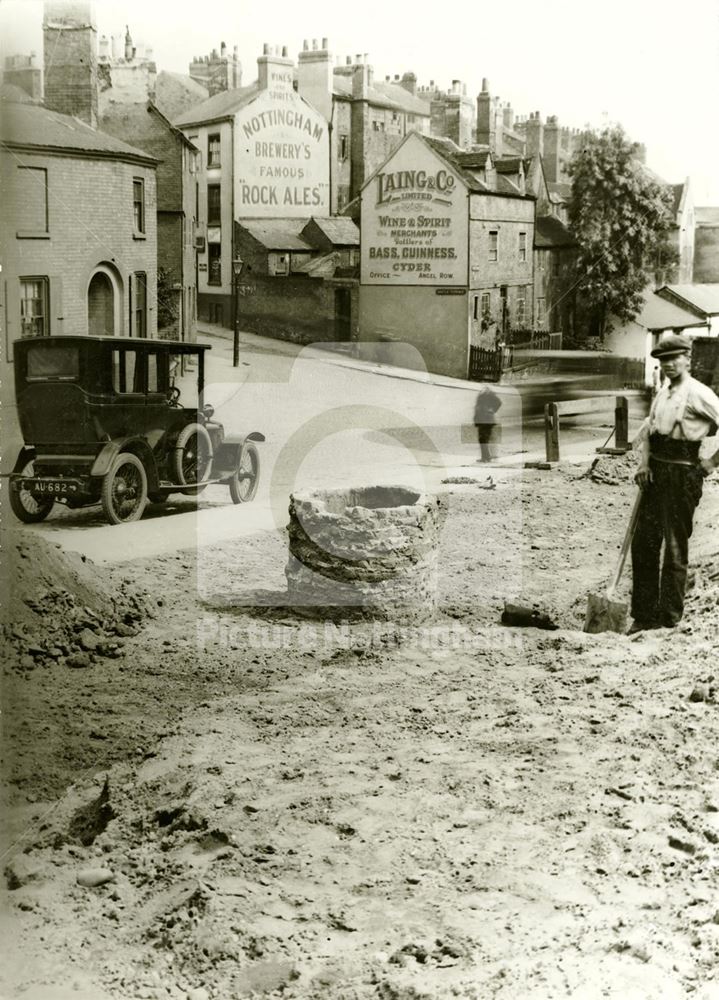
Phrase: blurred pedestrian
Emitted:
{"points": [[670, 475], [485, 419]]}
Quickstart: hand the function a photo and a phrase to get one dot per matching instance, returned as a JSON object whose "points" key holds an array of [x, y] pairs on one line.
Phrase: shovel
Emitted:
{"points": [[604, 614]]}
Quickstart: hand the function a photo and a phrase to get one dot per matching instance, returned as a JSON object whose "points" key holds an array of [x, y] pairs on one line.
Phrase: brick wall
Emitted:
{"points": [[70, 45], [300, 310]]}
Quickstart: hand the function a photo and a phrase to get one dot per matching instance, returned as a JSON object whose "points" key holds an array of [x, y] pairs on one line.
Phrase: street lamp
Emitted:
{"points": [[237, 265]]}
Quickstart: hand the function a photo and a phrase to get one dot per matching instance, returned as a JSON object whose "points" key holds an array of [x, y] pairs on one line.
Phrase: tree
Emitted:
{"points": [[620, 217]]}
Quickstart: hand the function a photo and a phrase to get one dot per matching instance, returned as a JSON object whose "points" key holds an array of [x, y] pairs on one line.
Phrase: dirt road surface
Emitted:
{"points": [[285, 807]]}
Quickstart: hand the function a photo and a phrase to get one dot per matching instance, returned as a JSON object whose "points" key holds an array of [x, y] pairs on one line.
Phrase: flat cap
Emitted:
{"points": [[673, 344]]}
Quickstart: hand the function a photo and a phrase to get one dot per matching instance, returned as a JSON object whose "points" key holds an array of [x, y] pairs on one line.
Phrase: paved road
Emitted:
{"points": [[327, 424]]}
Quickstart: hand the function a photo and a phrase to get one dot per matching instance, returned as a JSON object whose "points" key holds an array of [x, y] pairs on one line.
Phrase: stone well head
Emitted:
{"points": [[368, 548]]}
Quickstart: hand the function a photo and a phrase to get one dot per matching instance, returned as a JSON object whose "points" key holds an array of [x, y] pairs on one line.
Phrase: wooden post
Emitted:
{"points": [[551, 431], [621, 423]]}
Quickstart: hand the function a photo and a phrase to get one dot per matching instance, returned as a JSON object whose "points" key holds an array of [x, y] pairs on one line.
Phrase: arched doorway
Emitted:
{"points": [[103, 303]]}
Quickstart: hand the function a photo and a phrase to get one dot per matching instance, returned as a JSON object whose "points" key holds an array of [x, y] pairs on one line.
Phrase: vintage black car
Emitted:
{"points": [[118, 421]]}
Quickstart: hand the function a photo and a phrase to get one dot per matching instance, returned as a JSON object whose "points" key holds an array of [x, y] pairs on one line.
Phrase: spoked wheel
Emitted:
{"points": [[244, 482], [24, 505], [124, 490], [192, 457]]}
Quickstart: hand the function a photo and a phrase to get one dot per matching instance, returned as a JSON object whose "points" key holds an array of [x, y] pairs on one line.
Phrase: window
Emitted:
{"points": [[475, 311], [138, 204], [485, 304], [523, 246], [493, 244], [214, 264], [521, 307], [34, 313], [140, 309], [343, 147], [56, 362], [541, 311], [279, 263], [378, 125], [214, 210], [213, 150], [126, 372], [153, 375], [32, 202]]}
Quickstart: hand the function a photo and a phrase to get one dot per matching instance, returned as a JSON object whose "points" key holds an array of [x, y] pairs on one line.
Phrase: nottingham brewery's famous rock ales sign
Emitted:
{"points": [[414, 221], [283, 158]]}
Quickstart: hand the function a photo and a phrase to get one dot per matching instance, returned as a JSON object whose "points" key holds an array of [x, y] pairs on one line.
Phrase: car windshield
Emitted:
{"points": [[53, 361]]}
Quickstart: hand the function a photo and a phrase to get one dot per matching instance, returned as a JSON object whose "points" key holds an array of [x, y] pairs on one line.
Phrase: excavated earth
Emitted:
{"points": [[240, 802]]}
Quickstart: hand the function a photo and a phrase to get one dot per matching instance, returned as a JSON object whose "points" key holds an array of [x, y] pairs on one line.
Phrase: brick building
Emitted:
{"points": [[117, 91], [78, 232], [20, 71], [446, 253], [265, 155], [218, 71], [368, 118]]}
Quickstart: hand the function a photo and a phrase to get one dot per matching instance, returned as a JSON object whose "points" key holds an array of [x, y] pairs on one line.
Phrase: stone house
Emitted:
{"points": [[706, 245], [446, 253]]}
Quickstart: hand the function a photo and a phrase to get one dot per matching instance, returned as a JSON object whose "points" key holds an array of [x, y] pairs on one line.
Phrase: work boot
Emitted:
{"points": [[638, 626]]}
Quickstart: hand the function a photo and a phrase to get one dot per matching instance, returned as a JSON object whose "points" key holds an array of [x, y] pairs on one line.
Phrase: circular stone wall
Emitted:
{"points": [[373, 549]]}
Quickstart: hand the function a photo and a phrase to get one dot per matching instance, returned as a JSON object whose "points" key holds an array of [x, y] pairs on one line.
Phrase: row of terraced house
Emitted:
{"points": [[316, 203]]}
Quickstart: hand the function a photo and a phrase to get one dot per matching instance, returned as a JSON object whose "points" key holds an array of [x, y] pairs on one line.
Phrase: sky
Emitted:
{"points": [[651, 65]]}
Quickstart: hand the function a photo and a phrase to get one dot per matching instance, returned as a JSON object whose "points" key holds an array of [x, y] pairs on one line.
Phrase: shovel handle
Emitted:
{"points": [[625, 544]]}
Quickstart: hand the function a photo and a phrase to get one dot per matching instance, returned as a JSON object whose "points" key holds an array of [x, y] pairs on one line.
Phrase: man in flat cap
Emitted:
{"points": [[671, 474]]}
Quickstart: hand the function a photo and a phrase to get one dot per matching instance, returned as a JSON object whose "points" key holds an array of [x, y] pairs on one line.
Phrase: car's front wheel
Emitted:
{"points": [[124, 490], [243, 484], [24, 505]]}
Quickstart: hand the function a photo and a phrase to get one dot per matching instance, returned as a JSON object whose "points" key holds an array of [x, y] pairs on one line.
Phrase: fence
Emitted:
{"points": [[523, 340], [487, 365]]}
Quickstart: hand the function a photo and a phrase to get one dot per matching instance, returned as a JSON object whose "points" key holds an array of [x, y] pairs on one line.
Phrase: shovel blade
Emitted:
{"points": [[605, 615]]}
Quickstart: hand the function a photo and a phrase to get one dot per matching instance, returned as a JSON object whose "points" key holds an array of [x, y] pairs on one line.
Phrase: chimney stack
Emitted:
{"points": [[70, 47]]}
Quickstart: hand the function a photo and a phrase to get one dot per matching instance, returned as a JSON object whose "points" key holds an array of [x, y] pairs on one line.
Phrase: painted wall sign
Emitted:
{"points": [[282, 158], [450, 291], [414, 221]]}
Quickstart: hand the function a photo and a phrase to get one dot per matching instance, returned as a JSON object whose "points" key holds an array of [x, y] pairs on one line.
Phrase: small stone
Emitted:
{"points": [[55, 652], [200, 993], [27, 662], [89, 640], [90, 878], [78, 660], [21, 870], [700, 692]]}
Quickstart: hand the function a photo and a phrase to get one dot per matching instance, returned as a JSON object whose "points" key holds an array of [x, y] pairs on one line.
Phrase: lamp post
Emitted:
{"points": [[237, 265]]}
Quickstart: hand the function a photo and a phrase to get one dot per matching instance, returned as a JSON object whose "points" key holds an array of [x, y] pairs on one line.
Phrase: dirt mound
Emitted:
{"points": [[614, 470], [61, 607]]}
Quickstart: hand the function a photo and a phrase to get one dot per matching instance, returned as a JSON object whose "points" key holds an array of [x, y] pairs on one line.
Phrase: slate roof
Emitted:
{"points": [[383, 95], [458, 158], [508, 164], [550, 232], [278, 234], [30, 125], [176, 93], [218, 106], [659, 314], [702, 298], [320, 267], [339, 230]]}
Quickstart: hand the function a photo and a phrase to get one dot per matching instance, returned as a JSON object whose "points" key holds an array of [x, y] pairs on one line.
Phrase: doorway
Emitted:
{"points": [[101, 306], [343, 314]]}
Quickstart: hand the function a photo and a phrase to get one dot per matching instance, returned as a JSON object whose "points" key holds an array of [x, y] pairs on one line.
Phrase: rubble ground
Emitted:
{"points": [[243, 803]]}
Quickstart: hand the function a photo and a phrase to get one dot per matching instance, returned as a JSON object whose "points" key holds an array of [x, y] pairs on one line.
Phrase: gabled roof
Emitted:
{"points": [[11, 92], [703, 299], [707, 216], [562, 189], [550, 232], [219, 106], [676, 191], [457, 159], [278, 234], [659, 314], [33, 126], [509, 164], [339, 230]]}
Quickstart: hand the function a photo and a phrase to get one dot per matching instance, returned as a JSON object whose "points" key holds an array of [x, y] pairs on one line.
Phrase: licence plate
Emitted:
{"points": [[55, 487]]}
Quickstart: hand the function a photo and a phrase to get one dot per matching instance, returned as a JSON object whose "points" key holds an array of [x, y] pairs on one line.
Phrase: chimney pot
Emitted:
{"points": [[223, 49], [485, 85], [314, 44], [305, 45], [396, 76], [265, 49], [284, 51], [325, 44]]}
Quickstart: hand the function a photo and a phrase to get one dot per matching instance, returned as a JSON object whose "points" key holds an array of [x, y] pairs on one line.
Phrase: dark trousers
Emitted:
{"points": [[487, 434], [666, 514]]}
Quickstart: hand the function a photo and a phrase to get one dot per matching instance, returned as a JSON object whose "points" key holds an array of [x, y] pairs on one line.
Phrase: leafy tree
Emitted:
{"points": [[620, 217]]}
